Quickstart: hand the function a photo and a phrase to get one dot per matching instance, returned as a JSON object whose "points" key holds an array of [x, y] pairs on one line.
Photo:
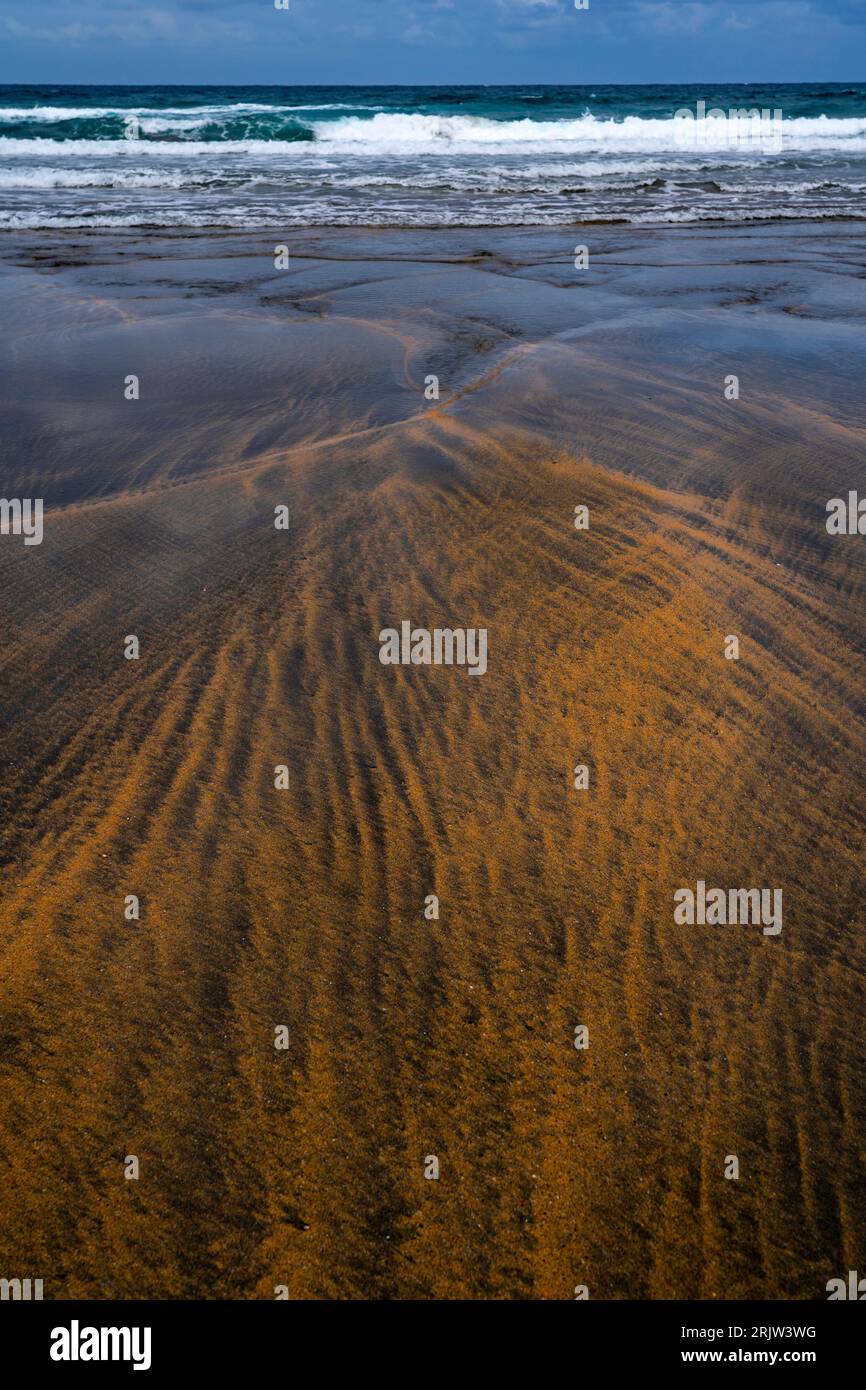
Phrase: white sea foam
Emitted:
{"points": [[384, 134], [514, 215], [102, 178], [423, 170], [219, 112]]}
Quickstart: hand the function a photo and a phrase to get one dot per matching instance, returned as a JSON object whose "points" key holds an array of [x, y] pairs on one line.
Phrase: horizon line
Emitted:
{"points": [[468, 86]]}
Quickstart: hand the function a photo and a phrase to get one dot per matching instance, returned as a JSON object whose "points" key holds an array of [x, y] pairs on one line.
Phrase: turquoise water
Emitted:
{"points": [[282, 156]]}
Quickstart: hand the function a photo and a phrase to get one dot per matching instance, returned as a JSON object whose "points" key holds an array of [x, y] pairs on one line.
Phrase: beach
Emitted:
{"points": [[431, 405]]}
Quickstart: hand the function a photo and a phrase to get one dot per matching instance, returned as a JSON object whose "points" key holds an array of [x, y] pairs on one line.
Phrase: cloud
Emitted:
{"points": [[150, 26], [689, 17], [438, 40], [667, 17]]}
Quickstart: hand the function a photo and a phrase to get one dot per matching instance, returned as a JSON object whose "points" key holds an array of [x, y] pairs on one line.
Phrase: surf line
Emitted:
{"points": [[444, 646]]}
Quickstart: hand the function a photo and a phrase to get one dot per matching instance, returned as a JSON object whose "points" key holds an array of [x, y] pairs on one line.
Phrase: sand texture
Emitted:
{"points": [[304, 907]]}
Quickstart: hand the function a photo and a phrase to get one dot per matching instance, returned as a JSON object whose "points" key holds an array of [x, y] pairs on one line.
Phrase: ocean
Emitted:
{"points": [[429, 156]]}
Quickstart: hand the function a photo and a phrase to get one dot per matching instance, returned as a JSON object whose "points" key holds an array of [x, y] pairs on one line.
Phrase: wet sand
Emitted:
{"points": [[304, 907]]}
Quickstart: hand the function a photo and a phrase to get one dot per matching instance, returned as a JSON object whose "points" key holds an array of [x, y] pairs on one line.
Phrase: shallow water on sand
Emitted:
{"points": [[452, 1037]]}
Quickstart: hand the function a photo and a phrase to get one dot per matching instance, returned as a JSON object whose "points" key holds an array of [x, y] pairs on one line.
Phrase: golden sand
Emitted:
{"points": [[411, 1037]]}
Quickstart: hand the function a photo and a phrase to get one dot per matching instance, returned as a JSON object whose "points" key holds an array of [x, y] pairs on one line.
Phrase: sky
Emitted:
{"points": [[431, 41]]}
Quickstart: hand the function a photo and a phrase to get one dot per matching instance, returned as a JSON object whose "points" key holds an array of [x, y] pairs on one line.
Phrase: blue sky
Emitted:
{"points": [[432, 41]]}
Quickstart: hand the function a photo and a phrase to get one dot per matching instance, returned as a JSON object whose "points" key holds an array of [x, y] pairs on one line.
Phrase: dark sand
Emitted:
{"points": [[411, 1037]]}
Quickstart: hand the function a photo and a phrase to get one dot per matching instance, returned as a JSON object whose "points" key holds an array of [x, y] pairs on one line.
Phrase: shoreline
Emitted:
{"points": [[368, 227]]}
